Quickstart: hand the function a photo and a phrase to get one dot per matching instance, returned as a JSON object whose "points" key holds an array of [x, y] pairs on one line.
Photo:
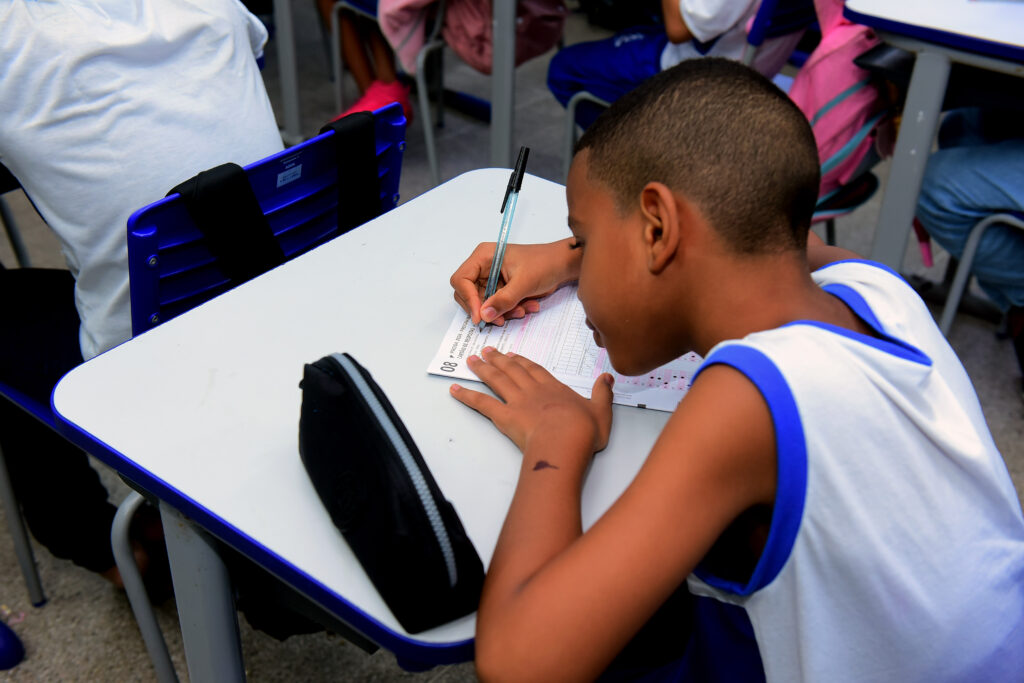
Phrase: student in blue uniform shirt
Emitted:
{"points": [[611, 67]]}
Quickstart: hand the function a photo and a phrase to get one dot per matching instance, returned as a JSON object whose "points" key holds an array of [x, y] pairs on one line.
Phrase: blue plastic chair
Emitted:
{"points": [[777, 18], [171, 270], [11, 649]]}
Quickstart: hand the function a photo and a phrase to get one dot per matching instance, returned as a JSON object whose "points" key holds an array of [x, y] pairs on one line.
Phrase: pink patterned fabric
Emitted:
{"points": [[467, 28], [404, 24]]}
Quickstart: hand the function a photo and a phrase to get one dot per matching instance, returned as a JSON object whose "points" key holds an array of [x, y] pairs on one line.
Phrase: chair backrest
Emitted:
{"points": [[776, 18], [171, 268]]}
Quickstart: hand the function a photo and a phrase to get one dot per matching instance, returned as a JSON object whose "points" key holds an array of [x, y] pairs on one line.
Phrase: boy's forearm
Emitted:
{"points": [[543, 520], [544, 516]]}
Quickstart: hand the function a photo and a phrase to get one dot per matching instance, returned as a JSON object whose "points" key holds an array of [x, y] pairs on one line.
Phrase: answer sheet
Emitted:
{"points": [[558, 338]]}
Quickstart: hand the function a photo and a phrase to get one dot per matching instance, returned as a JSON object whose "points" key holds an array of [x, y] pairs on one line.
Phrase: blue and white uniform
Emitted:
{"points": [[896, 550]]}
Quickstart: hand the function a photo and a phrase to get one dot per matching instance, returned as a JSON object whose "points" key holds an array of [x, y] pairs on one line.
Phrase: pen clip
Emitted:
{"points": [[515, 181]]}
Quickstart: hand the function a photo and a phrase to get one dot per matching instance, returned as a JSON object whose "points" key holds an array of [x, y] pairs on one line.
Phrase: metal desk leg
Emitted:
{"points": [[285, 36], [503, 81], [22, 546], [206, 608], [914, 144]]}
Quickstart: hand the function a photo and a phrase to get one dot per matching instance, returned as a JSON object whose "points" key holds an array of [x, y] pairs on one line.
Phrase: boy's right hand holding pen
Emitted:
{"points": [[528, 273]]}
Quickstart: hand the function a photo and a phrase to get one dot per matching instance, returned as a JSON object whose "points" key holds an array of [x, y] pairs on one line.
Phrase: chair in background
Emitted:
{"points": [[301, 192], [963, 269], [774, 19], [433, 43], [9, 183], [363, 8], [777, 18]]}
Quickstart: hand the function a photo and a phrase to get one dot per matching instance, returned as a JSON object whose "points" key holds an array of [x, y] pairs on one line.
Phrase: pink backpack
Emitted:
{"points": [[847, 112]]}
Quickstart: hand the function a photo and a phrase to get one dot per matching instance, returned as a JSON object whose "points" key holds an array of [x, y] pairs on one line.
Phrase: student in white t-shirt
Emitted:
{"points": [[105, 105]]}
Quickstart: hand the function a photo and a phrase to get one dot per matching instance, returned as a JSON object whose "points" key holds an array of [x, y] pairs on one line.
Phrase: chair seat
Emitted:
{"points": [[366, 6]]}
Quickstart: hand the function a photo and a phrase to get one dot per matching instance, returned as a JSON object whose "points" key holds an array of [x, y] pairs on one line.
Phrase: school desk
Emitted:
{"points": [[988, 34], [502, 78], [203, 412]]}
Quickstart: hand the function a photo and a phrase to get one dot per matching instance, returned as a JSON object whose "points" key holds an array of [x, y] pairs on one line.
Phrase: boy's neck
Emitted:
{"points": [[762, 292]]}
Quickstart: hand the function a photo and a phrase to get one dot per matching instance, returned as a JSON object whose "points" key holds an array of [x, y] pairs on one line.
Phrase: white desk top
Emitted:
{"points": [[994, 27], [204, 409]]}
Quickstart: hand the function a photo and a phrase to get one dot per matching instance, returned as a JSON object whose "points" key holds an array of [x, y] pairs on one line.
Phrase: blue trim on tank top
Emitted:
{"points": [[791, 466]]}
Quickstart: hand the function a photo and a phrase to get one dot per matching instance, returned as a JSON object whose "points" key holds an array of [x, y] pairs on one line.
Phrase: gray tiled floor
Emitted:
{"points": [[86, 631]]}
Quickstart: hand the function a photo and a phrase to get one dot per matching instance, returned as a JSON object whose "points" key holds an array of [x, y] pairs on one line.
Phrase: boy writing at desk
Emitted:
{"points": [[829, 472]]}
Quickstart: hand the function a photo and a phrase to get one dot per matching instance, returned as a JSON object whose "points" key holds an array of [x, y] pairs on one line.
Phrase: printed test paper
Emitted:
{"points": [[558, 338]]}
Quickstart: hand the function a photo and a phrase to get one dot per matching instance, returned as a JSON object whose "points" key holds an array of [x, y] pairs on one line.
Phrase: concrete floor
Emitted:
{"points": [[86, 632]]}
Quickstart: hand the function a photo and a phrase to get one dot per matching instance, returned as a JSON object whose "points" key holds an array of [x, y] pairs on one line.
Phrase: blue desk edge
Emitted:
{"points": [[958, 41]]}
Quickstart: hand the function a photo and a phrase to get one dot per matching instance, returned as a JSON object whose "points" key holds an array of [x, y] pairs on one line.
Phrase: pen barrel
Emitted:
{"points": [[499, 248]]}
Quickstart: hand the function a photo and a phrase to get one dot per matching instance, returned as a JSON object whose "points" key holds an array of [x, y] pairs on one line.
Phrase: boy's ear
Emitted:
{"points": [[661, 225]]}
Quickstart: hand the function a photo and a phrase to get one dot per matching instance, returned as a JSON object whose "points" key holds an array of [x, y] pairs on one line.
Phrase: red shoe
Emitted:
{"points": [[380, 94]]}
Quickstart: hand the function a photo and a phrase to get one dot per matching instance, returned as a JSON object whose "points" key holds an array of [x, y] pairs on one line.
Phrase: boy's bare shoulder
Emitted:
{"points": [[721, 442]]}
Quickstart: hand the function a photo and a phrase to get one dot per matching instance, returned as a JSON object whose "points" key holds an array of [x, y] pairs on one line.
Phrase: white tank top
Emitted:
{"points": [[896, 550]]}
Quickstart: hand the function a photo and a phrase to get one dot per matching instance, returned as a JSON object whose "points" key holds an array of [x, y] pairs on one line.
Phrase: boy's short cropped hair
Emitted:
{"points": [[723, 136]]}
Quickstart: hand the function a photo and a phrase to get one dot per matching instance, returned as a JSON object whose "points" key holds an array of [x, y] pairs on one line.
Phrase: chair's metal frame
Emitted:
{"points": [[963, 269]]}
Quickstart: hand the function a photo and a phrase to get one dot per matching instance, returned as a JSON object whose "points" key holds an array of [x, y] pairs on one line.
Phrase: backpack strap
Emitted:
{"points": [[224, 207], [853, 143], [355, 150]]}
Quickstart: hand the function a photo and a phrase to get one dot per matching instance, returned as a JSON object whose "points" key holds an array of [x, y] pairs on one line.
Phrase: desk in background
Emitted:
{"points": [[984, 33], [203, 412]]}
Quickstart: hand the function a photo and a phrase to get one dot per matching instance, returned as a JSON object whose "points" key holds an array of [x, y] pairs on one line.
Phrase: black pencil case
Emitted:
{"points": [[380, 494]]}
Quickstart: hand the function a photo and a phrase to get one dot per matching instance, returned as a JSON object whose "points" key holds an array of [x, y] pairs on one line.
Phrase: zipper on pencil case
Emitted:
{"points": [[405, 457]]}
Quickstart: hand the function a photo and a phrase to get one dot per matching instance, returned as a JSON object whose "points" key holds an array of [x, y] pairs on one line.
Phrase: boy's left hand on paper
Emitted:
{"points": [[535, 409]]}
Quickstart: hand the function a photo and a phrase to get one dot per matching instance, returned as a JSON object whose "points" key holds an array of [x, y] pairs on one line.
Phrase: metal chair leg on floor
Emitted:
{"points": [[145, 617], [963, 270], [569, 140], [336, 56], [22, 547], [7, 218], [425, 116]]}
